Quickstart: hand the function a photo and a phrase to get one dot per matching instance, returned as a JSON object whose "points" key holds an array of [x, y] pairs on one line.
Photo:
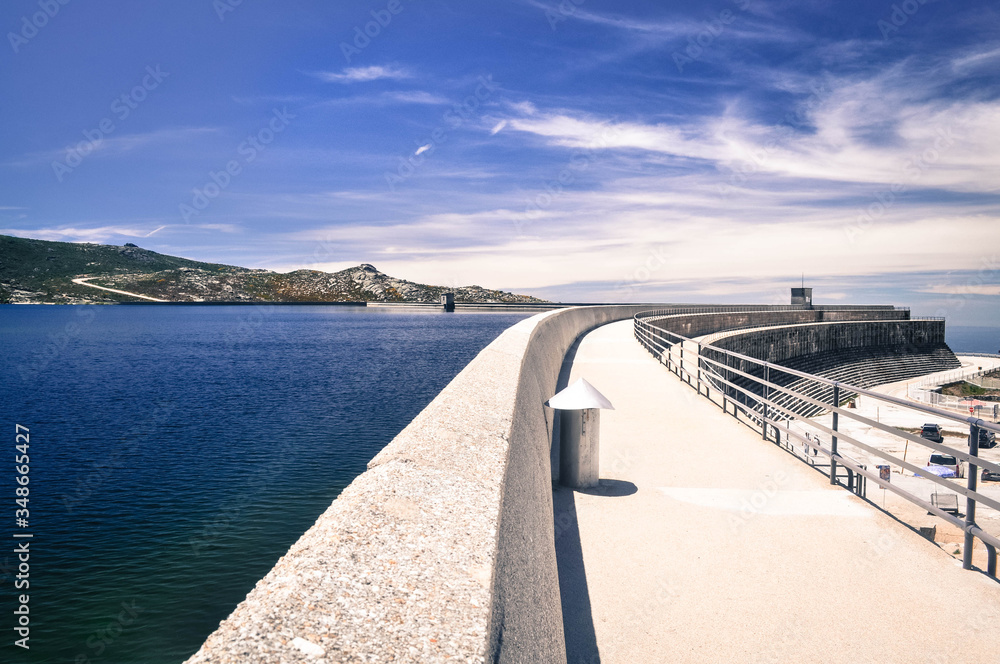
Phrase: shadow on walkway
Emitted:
{"points": [[578, 623]]}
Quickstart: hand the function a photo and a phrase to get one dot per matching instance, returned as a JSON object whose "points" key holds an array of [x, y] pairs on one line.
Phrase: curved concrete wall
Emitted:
{"points": [[861, 354], [696, 325], [444, 549], [776, 344]]}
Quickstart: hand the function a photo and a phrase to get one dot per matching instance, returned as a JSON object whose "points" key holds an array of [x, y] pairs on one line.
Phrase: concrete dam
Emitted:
{"points": [[455, 544]]}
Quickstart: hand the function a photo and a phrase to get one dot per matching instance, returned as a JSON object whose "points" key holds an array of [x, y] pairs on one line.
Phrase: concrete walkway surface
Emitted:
{"points": [[707, 544]]}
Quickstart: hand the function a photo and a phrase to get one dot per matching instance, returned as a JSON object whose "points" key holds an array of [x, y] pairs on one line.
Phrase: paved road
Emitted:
{"points": [[707, 544], [83, 282]]}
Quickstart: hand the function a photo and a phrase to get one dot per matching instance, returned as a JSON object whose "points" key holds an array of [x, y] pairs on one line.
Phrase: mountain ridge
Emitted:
{"points": [[41, 272]]}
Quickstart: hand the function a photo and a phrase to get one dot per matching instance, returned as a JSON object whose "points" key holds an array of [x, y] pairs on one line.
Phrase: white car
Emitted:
{"points": [[949, 462]]}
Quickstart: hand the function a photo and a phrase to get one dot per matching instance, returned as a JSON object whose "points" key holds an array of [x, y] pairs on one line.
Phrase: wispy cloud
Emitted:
{"points": [[416, 97], [968, 289], [389, 98], [363, 74], [930, 142], [118, 145], [108, 233]]}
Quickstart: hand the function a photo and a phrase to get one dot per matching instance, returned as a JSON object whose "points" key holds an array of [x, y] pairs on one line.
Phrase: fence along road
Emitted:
{"points": [[761, 410], [730, 549]]}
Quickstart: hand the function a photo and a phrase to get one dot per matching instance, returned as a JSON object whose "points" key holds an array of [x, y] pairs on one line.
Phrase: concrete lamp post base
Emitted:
{"points": [[579, 442], [579, 434]]}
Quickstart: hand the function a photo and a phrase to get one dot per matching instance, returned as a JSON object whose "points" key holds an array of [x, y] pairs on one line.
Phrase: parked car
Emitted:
{"points": [[947, 461], [932, 432], [990, 475], [987, 439]]}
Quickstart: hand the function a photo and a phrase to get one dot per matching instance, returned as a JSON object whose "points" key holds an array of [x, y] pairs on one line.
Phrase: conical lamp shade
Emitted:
{"points": [[581, 395]]}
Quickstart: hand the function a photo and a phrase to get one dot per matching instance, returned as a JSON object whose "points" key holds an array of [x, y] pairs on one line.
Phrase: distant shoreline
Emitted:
{"points": [[435, 306]]}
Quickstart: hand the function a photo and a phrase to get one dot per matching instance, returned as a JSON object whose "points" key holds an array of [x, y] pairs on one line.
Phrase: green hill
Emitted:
{"points": [[39, 271]]}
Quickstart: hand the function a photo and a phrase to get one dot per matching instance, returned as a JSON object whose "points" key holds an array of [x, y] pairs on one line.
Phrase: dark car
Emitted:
{"points": [[932, 432], [990, 475], [987, 439]]}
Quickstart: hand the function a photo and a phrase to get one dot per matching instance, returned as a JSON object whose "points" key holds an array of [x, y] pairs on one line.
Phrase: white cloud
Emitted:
{"points": [[498, 127], [108, 233], [416, 97], [422, 149], [939, 144], [612, 236], [966, 289], [116, 145], [363, 74], [99, 234]]}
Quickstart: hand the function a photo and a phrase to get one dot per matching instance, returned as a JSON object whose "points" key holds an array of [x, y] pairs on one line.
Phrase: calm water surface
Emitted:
{"points": [[177, 452], [970, 339]]}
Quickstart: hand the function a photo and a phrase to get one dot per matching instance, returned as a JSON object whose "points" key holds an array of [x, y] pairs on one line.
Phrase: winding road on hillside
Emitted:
{"points": [[83, 282]]}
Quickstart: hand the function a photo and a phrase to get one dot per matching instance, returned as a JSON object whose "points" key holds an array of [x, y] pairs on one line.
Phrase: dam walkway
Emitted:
{"points": [[705, 543]]}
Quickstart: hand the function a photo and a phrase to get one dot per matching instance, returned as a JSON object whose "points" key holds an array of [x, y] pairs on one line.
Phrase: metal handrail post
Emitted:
{"points": [[680, 371], [767, 395], [699, 366], [970, 502], [833, 439]]}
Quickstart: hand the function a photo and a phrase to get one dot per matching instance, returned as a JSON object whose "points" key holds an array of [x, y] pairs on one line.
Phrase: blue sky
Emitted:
{"points": [[582, 150]]}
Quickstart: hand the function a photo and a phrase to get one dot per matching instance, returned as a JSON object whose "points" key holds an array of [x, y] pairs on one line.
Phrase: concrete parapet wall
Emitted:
{"points": [[696, 325], [444, 549], [777, 344], [861, 354]]}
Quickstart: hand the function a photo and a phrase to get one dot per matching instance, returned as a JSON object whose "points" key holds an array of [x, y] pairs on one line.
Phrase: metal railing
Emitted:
{"points": [[921, 390], [755, 398], [955, 376]]}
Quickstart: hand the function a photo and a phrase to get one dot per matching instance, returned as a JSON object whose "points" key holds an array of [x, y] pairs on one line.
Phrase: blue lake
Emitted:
{"points": [[177, 452]]}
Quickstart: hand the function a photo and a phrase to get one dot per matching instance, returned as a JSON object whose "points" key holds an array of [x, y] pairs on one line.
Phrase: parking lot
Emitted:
{"points": [[955, 434]]}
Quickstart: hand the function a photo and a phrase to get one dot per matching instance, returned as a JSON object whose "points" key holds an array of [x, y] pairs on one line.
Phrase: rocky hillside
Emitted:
{"points": [[42, 272]]}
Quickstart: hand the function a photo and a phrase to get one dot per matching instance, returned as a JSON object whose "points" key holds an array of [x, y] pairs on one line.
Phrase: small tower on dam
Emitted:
{"points": [[802, 296], [448, 301]]}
